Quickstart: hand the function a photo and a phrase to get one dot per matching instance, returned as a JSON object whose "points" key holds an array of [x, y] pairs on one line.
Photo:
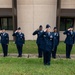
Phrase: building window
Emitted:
{"points": [[65, 23], [6, 23]]}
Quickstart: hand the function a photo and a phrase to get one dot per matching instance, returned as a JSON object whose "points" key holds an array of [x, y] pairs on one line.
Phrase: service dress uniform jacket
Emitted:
{"points": [[56, 43], [70, 35], [48, 39], [19, 41], [39, 41], [4, 42]]}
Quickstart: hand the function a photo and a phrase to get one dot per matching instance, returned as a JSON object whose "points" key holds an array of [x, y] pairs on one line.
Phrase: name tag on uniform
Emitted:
{"points": [[50, 38], [44, 35]]}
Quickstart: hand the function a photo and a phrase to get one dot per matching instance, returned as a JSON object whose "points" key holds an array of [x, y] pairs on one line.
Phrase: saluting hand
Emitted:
{"points": [[45, 30], [0, 31], [16, 31], [69, 29]]}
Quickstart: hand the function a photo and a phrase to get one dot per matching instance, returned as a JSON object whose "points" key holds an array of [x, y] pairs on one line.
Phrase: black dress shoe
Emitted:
{"points": [[5, 56], [20, 56], [39, 56], [68, 57], [46, 64], [54, 57]]}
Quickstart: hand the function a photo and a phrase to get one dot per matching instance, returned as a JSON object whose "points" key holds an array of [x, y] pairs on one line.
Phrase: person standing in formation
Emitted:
{"points": [[19, 40], [70, 36], [47, 44], [56, 42], [4, 41], [39, 40]]}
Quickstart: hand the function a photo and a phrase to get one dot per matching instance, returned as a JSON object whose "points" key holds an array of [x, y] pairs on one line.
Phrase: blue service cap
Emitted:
{"points": [[71, 27], [47, 26], [55, 27], [18, 28], [40, 26]]}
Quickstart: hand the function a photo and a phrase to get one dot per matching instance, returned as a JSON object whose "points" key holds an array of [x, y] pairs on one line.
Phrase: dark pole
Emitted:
{"points": [[58, 14], [14, 14]]}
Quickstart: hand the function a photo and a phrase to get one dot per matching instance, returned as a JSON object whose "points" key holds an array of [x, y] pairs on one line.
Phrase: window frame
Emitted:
{"points": [[8, 28], [66, 18]]}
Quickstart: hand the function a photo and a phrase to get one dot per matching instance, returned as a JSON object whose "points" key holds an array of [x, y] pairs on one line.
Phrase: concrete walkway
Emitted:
{"points": [[59, 56]]}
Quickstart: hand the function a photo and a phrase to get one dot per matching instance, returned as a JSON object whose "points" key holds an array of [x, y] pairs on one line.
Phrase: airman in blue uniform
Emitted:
{"points": [[69, 41], [19, 40], [4, 41], [47, 45], [56, 42], [39, 40]]}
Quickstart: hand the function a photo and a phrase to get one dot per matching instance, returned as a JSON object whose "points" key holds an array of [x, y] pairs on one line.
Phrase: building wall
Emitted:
{"points": [[69, 4], [62, 36], [32, 13], [5, 3], [66, 4], [10, 32]]}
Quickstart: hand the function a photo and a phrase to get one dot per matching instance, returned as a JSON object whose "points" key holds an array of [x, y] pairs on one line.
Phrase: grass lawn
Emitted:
{"points": [[31, 48], [34, 66]]}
